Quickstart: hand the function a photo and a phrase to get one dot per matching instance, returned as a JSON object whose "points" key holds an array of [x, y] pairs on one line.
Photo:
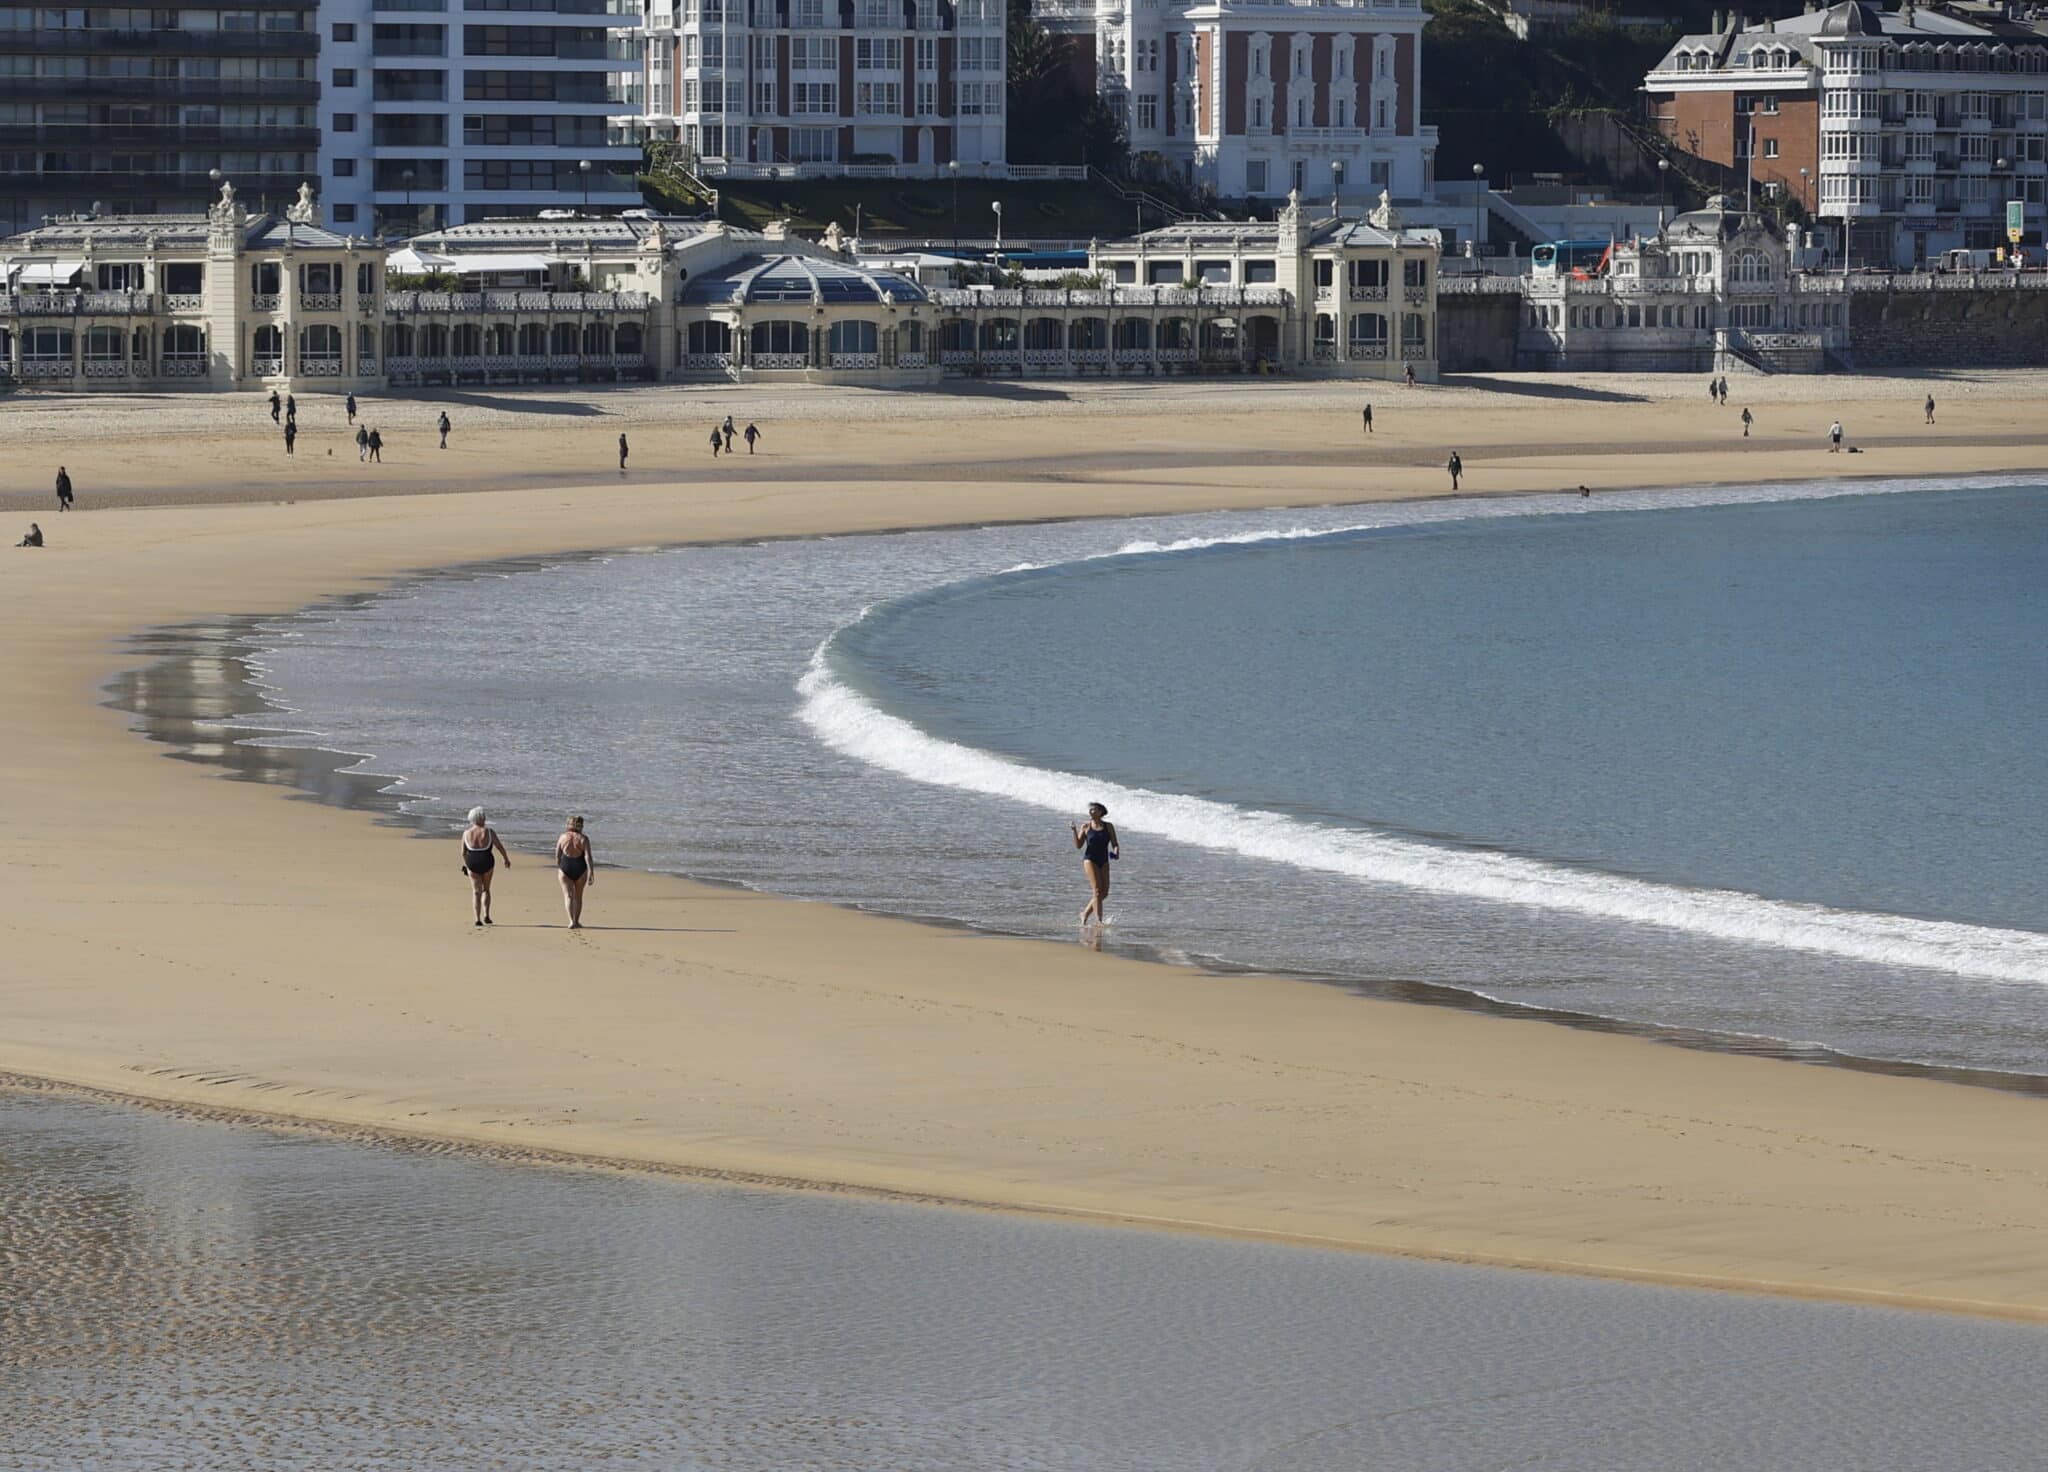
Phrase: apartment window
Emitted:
{"points": [[927, 99], [1382, 174], [879, 15], [813, 54], [1300, 174], [927, 54], [969, 94], [1258, 112], [343, 31], [1148, 111], [809, 14], [1254, 171], [1382, 114], [344, 122], [814, 97], [344, 168], [1976, 149], [344, 214], [344, 76], [969, 49], [1301, 112], [814, 145], [878, 99], [882, 54], [1770, 148]]}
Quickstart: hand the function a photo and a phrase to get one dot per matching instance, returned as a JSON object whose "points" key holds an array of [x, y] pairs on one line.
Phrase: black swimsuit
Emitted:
{"points": [[574, 866], [480, 860], [1095, 845]]}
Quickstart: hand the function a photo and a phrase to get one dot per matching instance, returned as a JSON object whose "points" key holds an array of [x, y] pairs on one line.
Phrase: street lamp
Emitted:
{"points": [[953, 173], [997, 206], [1664, 183], [1337, 188], [406, 179], [1478, 208], [583, 173]]}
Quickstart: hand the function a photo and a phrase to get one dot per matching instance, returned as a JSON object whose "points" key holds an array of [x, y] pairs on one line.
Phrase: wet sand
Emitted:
{"points": [[183, 938]]}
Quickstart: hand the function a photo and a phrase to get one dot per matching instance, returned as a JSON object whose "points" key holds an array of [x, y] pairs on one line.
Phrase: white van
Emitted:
{"points": [[1967, 260]]}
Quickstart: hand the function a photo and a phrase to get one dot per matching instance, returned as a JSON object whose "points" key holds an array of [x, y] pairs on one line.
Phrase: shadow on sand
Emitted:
{"points": [[1540, 390], [512, 403]]}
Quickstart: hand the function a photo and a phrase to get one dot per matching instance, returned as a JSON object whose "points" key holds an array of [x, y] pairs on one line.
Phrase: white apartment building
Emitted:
{"points": [[439, 112], [1908, 130], [813, 87], [1257, 98]]}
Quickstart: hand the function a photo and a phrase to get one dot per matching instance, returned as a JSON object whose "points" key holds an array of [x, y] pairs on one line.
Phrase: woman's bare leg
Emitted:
{"points": [[476, 896], [1093, 909], [483, 893], [575, 888]]}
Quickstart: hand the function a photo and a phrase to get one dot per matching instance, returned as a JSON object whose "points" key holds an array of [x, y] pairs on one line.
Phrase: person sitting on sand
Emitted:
{"points": [[34, 537], [1098, 843], [478, 841], [579, 869]]}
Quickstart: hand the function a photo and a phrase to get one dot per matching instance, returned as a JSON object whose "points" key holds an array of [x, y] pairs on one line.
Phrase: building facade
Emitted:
{"points": [[234, 300], [1906, 131], [1255, 99], [438, 112], [224, 300], [764, 87], [1716, 290], [133, 108]]}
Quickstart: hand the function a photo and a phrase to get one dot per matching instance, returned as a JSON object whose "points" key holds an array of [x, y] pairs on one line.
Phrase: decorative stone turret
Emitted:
{"points": [[1384, 216]]}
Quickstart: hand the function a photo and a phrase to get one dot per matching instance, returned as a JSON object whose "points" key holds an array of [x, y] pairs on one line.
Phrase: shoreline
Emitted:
{"points": [[205, 945], [370, 792]]}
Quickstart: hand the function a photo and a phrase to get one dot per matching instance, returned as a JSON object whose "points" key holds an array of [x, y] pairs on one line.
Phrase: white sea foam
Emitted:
{"points": [[850, 723]]}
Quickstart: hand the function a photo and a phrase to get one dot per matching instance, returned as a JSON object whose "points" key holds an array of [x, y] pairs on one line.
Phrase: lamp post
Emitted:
{"points": [[1478, 209], [406, 178], [953, 173], [583, 173], [1664, 183], [997, 206]]}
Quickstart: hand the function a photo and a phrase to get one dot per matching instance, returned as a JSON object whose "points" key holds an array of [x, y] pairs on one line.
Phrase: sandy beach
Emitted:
{"points": [[219, 945]]}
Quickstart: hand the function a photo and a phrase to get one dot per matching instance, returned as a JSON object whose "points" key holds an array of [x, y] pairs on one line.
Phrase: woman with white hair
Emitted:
{"points": [[478, 840]]}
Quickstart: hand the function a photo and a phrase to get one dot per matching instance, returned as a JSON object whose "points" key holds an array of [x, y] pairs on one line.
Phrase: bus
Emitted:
{"points": [[1570, 255]]}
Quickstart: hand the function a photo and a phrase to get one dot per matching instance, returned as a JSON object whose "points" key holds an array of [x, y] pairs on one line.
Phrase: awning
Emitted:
{"points": [[494, 263], [49, 273], [409, 260]]}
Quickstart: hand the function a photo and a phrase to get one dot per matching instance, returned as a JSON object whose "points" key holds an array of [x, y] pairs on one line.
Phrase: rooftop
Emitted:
{"points": [[788, 278]]}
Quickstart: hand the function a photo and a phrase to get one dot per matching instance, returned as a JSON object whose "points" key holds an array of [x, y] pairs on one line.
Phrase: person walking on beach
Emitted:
{"points": [[479, 840], [445, 427], [751, 434], [1408, 375], [1368, 419], [1713, 390], [717, 441], [63, 489], [1456, 468], [1835, 437], [362, 442], [578, 866], [622, 454], [1098, 843], [291, 409], [291, 435], [1747, 420], [1930, 408], [351, 408], [276, 406], [376, 448]]}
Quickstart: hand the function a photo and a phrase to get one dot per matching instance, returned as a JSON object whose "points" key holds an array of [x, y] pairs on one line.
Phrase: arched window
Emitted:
{"points": [[498, 341], [1176, 335], [782, 338], [320, 342], [854, 337], [1133, 335], [469, 340], [999, 335], [1751, 267], [1042, 334], [913, 337], [708, 339], [268, 350], [105, 345], [563, 341], [533, 339], [1368, 335], [398, 340], [956, 335], [629, 341], [185, 343], [434, 340], [1088, 334], [597, 340]]}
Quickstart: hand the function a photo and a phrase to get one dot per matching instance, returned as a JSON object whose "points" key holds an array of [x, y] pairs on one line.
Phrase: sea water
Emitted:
{"points": [[1757, 765], [185, 1295]]}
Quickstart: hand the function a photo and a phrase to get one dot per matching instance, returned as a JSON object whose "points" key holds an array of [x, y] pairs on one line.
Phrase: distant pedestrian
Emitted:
{"points": [[727, 430], [63, 489], [1408, 375], [1724, 391], [1585, 493], [351, 408], [717, 441], [1713, 390], [362, 442], [1930, 408], [291, 409], [752, 434], [376, 448], [1747, 420], [622, 454], [1835, 437], [1368, 419], [291, 436], [1456, 468], [445, 427], [34, 537], [276, 406]]}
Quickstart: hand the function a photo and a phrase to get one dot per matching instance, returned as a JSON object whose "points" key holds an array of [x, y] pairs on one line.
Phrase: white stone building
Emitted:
{"points": [[1258, 98]]}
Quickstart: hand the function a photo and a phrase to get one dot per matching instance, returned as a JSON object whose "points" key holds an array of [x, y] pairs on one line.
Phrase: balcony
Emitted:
{"points": [[97, 41], [165, 89], [162, 135], [113, 187]]}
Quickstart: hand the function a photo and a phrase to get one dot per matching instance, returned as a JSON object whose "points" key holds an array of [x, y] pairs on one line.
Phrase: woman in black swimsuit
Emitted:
{"points": [[574, 858], [478, 841], [1098, 844]]}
